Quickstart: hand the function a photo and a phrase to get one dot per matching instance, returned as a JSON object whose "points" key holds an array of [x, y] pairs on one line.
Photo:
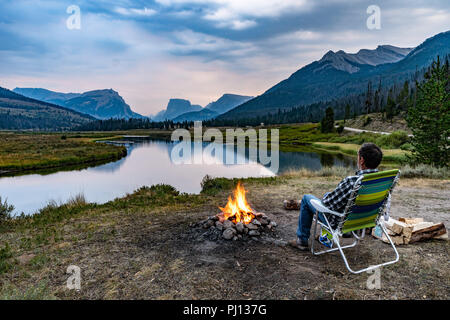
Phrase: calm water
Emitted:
{"points": [[147, 163]]}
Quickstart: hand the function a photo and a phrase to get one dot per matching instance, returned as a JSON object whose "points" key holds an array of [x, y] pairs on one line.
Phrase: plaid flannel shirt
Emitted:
{"points": [[337, 199]]}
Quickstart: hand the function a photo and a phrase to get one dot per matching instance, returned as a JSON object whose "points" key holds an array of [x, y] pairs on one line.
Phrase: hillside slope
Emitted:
{"points": [[339, 74], [18, 112], [101, 104], [58, 98], [227, 102]]}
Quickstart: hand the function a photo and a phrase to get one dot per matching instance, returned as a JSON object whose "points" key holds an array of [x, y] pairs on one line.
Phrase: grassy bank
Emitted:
{"points": [[141, 247], [389, 155], [25, 151], [394, 146]]}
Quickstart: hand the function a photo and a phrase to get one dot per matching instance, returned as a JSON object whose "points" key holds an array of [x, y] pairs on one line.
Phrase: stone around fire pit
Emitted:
{"points": [[227, 224], [252, 226], [229, 233], [261, 226], [240, 227]]}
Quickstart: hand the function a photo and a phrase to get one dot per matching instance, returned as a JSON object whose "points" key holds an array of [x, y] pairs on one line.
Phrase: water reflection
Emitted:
{"points": [[147, 163]]}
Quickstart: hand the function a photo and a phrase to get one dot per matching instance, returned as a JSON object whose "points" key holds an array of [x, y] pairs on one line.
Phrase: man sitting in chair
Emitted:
{"points": [[369, 157]]}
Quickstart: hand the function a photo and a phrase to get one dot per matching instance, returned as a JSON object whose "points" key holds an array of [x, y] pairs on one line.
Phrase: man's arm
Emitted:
{"points": [[338, 198]]}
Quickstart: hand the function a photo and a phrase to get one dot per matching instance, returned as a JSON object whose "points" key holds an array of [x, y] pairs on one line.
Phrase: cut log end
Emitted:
{"points": [[410, 230], [291, 204]]}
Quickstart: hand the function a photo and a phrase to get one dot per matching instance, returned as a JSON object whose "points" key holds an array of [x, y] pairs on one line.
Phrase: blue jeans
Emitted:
{"points": [[305, 218]]}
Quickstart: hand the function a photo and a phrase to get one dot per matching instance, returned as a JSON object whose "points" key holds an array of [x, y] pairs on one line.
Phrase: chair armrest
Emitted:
{"points": [[318, 205]]}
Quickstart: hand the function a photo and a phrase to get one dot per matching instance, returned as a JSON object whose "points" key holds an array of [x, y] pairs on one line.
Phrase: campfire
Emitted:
{"points": [[237, 209], [237, 220]]}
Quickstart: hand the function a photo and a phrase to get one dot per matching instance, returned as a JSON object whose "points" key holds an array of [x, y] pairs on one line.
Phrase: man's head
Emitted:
{"points": [[369, 156]]}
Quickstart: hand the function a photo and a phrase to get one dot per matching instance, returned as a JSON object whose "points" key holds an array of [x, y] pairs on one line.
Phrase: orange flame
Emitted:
{"points": [[238, 208]]}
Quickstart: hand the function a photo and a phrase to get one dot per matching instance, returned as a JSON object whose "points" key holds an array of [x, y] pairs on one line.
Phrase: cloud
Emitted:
{"points": [[151, 51], [238, 14], [226, 9], [134, 11]]}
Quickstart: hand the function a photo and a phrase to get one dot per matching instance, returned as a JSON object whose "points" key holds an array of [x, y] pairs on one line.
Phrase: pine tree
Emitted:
{"points": [[347, 112], [390, 105], [429, 117], [327, 123], [377, 98], [402, 98], [369, 98]]}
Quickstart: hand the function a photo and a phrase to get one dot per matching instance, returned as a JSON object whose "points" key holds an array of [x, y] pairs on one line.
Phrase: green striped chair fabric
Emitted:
{"points": [[371, 195]]}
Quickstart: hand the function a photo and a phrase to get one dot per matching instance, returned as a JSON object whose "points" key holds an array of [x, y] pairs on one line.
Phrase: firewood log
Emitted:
{"points": [[292, 204], [425, 231], [403, 233], [411, 220]]}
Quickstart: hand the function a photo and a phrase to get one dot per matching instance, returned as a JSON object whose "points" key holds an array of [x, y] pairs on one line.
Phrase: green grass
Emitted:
{"points": [[22, 152], [39, 291], [212, 186], [389, 155], [425, 171]]}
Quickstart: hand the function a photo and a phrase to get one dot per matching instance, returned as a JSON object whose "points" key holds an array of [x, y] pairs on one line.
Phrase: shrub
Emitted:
{"points": [[213, 185], [367, 120], [340, 129], [393, 140], [5, 210], [77, 201], [5, 255], [407, 147], [425, 171]]}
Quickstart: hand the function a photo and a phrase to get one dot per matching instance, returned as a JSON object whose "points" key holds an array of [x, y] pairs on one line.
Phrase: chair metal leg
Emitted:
{"points": [[340, 248], [316, 216], [375, 266], [335, 238]]}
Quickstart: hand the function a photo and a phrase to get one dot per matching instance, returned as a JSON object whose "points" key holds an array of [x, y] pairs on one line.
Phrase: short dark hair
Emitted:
{"points": [[371, 154]]}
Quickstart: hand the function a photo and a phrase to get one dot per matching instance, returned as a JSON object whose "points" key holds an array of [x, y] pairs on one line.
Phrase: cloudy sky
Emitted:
{"points": [[151, 51]]}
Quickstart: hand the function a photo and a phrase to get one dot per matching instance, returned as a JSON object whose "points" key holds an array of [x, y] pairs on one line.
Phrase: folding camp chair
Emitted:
{"points": [[364, 209]]}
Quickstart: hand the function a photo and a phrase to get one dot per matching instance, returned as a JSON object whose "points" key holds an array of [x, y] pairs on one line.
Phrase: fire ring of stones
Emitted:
{"points": [[217, 225]]}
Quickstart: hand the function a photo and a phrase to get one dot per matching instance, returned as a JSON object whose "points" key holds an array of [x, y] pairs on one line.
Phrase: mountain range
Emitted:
{"points": [[337, 75], [340, 74], [175, 108], [101, 104], [20, 112], [180, 110]]}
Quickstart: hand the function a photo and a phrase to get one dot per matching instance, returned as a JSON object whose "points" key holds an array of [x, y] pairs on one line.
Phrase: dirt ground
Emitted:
{"points": [[156, 255]]}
